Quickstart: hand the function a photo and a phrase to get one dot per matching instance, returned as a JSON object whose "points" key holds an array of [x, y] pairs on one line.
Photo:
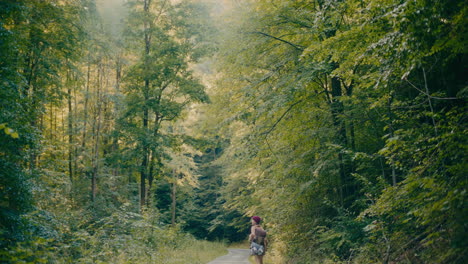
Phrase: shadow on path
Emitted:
{"points": [[235, 256]]}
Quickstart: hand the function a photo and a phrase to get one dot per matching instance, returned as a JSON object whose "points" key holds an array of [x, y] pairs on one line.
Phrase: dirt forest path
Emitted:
{"points": [[235, 256]]}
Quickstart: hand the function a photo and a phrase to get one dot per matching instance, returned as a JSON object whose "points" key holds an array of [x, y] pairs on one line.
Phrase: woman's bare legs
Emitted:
{"points": [[259, 259]]}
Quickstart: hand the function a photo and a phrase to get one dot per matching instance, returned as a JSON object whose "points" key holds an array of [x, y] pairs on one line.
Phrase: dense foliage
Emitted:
{"points": [[89, 100], [347, 123], [341, 123]]}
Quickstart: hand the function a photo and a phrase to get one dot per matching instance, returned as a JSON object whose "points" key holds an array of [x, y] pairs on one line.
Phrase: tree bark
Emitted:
{"points": [[118, 76], [153, 155], [145, 149], [174, 198], [391, 130], [86, 99], [95, 162], [337, 109], [70, 130], [144, 165]]}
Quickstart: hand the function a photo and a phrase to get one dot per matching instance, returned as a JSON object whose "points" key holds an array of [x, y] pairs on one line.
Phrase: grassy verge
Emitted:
{"points": [[196, 252], [121, 238], [242, 245]]}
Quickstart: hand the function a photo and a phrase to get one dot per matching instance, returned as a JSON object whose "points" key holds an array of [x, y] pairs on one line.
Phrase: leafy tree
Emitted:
{"points": [[159, 84], [35, 37], [206, 216], [320, 94]]}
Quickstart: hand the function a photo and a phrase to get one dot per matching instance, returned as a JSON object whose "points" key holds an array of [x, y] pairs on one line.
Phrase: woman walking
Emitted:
{"points": [[258, 240]]}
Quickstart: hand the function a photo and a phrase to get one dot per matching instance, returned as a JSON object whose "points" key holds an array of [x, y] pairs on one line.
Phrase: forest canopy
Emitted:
{"points": [[347, 124], [131, 131]]}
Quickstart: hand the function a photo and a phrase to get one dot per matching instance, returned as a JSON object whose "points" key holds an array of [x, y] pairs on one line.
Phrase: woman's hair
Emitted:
{"points": [[257, 219]]}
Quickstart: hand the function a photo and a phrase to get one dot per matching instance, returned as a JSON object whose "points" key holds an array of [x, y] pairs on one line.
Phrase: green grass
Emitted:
{"points": [[194, 252], [242, 245], [197, 252]]}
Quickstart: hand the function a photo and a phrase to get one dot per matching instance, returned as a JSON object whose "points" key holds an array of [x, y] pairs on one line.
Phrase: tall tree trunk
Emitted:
{"points": [[86, 100], [75, 133], [145, 152], [390, 127], [174, 198], [51, 122], [337, 109], [352, 136], [95, 162], [150, 176], [118, 76], [144, 163], [153, 155], [32, 62], [70, 130]]}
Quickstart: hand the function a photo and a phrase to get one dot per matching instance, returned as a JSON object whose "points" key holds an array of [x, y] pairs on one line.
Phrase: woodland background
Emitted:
{"points": [[138, 131]]}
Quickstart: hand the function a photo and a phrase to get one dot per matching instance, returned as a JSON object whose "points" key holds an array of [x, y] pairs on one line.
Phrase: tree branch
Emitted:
{"points": [[426, 93], [297, 47], [281, 118]]}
